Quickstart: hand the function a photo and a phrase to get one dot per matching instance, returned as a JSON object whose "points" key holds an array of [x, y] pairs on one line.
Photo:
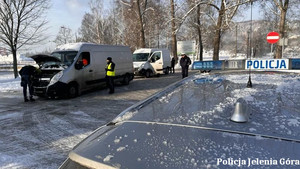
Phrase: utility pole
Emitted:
{"points": [[236, 34], [174, 41], [249, 84]]}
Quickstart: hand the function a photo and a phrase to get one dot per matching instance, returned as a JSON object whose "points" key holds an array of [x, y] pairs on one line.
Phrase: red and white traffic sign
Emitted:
{"points": [[273, 37]]}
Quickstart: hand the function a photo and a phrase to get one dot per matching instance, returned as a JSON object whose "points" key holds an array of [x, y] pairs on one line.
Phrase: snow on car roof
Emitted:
{"points": [[209, 100], [188, 125]]}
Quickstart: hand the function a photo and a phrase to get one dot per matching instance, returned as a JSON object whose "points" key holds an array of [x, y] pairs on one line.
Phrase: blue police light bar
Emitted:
{"points": [[207, 65], [295, 64]]}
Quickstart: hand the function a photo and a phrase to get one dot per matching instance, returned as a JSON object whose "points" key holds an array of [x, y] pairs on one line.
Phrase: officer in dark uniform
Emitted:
{"points": [[185, 62], [110, 74], [173, 65], [27, 73]]}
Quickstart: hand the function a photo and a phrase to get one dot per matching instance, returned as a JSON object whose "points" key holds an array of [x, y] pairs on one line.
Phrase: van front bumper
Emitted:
{"points": [[57, 89]]}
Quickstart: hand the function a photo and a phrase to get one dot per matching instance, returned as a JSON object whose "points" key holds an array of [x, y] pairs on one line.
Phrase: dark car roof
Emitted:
{"points": [[188, 125]]}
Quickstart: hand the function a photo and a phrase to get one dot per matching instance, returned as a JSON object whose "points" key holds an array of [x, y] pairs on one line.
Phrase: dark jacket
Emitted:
{"points": [[27, 70], [173, 62], [185, 62]]}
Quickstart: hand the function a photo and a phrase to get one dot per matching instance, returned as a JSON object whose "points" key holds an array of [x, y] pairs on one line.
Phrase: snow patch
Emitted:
{"points": [[121, 149], [10, 116], [293, 122], [125, 116], [117, 141], [108, 158]]}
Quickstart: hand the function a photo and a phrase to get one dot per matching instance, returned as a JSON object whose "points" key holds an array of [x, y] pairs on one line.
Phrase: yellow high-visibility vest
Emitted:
{"points": [[110, 73]]}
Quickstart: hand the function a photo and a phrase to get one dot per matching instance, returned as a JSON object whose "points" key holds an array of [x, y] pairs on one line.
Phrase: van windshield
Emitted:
{"points": [[140, 57], [66, 57]]}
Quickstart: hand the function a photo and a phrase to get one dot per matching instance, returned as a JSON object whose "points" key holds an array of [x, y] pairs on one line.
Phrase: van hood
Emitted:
{"points": [[138, 64], [42, 58]]}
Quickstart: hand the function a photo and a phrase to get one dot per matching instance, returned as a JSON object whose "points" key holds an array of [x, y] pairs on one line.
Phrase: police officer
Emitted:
{"points": [[185, 62], [110, 74], [27, 73], [173, 65]]}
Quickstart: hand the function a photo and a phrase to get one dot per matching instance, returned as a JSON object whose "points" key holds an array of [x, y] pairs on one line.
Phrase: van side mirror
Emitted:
{"points": [[152, 60], [78, 65]]}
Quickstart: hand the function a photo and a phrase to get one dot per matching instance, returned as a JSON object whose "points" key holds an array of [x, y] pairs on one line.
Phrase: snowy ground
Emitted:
{"points": [[40, 134]]}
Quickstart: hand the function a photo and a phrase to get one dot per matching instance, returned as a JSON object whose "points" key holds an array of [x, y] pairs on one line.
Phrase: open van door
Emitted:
{"points": [[156, 61]]}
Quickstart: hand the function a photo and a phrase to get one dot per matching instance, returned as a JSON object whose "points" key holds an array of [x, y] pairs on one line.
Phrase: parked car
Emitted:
{"points": [[73, 68], [150, 61], [204, 121]]}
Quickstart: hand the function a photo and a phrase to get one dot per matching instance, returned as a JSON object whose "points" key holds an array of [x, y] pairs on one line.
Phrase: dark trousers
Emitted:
{"points": [[185, 72], [27, 82], [172, 69], [110, 83]]}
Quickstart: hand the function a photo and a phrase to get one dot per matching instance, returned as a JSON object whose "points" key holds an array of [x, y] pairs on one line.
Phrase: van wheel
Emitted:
{"points": [[126, 80], [148, 73], [167, 70], [72, 91]]}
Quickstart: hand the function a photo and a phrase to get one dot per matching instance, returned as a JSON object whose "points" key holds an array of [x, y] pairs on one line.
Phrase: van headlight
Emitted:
{"points": [[141, 67], [55, 78]]}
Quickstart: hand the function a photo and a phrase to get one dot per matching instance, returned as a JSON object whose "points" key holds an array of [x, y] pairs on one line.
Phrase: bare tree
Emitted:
{"points": [[22, 23], [283, 7], [225, 12], [136, 11], [100, 25], [196, 25], [282, 14], [64, 36]]}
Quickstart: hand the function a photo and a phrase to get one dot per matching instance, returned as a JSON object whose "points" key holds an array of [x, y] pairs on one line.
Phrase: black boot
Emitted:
{"points": [[25, 99], [32, 99]]}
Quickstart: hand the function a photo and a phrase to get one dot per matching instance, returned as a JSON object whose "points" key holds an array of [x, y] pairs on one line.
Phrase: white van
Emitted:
{"points": [[73, 68], [150, 61]]}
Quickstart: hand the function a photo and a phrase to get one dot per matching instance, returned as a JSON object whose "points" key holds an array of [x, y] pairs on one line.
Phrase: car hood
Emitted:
{"points": [[42, 58]]}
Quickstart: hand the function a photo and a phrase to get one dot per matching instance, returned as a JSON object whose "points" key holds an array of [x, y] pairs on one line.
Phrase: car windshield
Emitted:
{"points": [[139, 57], [66, 57]]}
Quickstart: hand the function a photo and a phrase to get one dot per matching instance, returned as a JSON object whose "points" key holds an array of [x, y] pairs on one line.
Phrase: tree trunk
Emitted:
{"points": [[217, 37], [174, 41], [15, 61], [200, 44], [283, 11], [142, 31]]}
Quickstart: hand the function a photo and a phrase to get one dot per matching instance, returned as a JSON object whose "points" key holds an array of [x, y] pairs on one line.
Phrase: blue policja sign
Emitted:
{"points": [[270, 64], [207, 65]]}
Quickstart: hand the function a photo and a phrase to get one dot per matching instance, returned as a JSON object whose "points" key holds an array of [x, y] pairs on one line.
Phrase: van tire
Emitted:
{"points": [[167, 70], [72, 90], [126, 79], [148, 73]]}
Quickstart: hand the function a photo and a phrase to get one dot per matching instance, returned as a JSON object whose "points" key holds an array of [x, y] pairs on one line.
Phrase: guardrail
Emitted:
{"points": [[254, 64], [10, 66]]}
